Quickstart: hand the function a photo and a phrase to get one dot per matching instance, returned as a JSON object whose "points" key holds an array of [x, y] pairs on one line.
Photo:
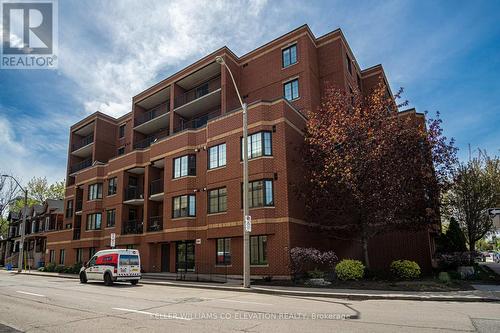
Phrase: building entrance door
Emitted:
{"points": [[165, 257], [185, 256]]}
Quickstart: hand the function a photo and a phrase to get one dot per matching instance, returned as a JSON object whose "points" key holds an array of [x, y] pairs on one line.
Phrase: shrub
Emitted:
{"points": [[444, 277], [316, 274], [50, 267], [303, 259], [349, 269], [448, 261], [405, 269]]}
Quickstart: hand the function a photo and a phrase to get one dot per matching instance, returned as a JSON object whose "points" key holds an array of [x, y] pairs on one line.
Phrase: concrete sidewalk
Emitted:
{"points": [[483, 295]]}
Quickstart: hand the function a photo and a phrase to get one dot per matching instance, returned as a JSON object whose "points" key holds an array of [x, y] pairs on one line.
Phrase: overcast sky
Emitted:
{"points": [[446, 54]]}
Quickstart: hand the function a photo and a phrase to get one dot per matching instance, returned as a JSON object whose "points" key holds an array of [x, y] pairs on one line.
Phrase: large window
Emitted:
{"points": [[217, 156], [223, 255], [349, 63], [52, 256], [110, 217], [112, 185], [79, 255], [258, 250], [120, 151], [217, 200], [260, 193], [183, 206], [259, 144], [289, 55], [185, 166], [92, 251], [62, 255], [291, 89], [122, 131], [94, 221], [95, 191], [69, 209]]}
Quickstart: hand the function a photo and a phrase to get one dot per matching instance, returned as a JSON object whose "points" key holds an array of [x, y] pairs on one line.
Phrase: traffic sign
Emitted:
{"points": [[113, 240], [248, 223]]}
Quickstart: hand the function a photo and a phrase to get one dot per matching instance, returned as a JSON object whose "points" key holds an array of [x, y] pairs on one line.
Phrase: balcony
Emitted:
{"points": [[156, 190], [132, 227], [83, 147], [197, 122], [143, 144], [81, 165], [153, 120], [134, 196], [155, 223], [202, 98]]}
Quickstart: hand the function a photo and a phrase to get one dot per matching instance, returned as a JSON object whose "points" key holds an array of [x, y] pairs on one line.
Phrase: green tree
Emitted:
{"points": [[475, 189], [454, 238], [40, 190]]}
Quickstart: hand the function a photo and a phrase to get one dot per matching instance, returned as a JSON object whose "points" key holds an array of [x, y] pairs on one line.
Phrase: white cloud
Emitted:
{"points": [[143, 39]]}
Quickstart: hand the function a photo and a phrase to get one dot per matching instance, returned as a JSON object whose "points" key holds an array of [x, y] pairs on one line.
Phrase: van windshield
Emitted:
{"points": [[129, 259]]}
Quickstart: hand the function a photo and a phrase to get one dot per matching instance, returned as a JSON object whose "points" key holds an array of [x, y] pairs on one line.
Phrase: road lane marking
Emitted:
{"points": [[27, 293], [235, 301], [151, 313]]}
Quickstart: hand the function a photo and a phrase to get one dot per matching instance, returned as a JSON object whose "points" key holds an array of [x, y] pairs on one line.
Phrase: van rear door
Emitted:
{"points": [[129, 265]]}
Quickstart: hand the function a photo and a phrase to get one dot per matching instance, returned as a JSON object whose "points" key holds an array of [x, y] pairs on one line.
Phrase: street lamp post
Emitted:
{"points": [[21, 244], [246, 216]]}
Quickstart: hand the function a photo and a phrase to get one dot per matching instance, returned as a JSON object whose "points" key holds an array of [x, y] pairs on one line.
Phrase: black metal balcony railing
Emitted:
{"points": [[81, 165], [145, 143], [83, 142], [78, 205], [198, 122], [152, 114], [133, 192], [133, 227], [156, 187], [76, 234], [200, 91], [155, 223]]}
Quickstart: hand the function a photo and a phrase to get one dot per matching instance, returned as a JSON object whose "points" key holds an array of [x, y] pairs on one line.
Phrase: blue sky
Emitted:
{"points": [[446, 54]]}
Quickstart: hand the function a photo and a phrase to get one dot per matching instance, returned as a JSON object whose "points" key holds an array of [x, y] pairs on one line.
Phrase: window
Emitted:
{"points": [[95, 191], [94, 221], [289, 55], [202, 90], [79, 255], [121, 151], [122, 131], [260, 193], [217, 156], [258, 250], [112, 185], [183, 206], [130, 247], [110, 217], [92, 251], [52, 256], [217, 200], [291, 89], [69, 209], [259, 144], [62, 254], [349, 63], [93, 260], [223, 255], [185, 166]]}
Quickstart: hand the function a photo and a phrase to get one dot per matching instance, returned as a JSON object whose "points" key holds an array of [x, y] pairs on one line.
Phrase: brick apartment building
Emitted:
{"points": [[166, 178]]}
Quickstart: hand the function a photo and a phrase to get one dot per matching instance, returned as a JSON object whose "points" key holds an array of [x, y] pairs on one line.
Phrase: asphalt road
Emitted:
{"points": [[50, 304]]}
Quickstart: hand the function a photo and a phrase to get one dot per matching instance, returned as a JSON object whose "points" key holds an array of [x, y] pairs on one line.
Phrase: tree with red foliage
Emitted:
{"points": [[371, 169]]}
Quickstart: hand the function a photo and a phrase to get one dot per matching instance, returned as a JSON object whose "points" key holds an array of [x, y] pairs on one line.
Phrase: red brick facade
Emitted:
{"points": [[187, 113]]}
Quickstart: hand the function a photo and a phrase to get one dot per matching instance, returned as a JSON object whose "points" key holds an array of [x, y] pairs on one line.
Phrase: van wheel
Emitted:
{"points": [[83, 278], [134, 282], [107, 279]]}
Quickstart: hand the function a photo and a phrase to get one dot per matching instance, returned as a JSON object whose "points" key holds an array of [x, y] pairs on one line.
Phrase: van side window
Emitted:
{"points": [[92, 261]]}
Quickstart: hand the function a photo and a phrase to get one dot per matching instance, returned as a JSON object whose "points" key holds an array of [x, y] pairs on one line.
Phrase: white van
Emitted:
{"points": [[111, 266]]}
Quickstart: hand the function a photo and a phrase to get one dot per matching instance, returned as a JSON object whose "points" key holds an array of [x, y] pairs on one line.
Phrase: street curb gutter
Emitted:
{"points": [[280, 292]]}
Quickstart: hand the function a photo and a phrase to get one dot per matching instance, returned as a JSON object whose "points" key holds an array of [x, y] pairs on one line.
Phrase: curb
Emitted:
{"points": [[280, 292]]}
